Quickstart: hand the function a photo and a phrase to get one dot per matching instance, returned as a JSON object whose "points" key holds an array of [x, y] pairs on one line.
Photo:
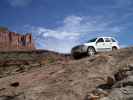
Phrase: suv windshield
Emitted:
{"points": [[92, 40]]}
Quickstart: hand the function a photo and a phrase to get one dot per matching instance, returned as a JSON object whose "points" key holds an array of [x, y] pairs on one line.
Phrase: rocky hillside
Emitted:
{"points": [[43, 75], [13, 62]]}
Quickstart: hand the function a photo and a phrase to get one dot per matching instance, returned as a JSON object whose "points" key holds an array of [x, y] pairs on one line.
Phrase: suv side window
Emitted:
{"points": [[113, 40], [100, 40], [107, 40]]}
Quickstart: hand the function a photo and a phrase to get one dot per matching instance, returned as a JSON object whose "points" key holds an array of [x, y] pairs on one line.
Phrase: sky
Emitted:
{"points": [[58, 25]]}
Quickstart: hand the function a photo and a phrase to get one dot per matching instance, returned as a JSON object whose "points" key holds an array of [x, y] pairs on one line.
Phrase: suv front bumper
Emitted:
{"points": [[79, 49]]}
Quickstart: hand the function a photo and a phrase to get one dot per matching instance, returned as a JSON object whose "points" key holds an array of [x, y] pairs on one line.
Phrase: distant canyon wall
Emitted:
{"points": [[15, 41]]}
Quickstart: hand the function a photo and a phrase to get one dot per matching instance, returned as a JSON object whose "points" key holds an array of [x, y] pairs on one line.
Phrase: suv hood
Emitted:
{"points": [[90, 43]]}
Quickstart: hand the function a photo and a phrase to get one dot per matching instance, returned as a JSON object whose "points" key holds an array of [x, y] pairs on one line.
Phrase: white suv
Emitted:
{"points": [[99, 44]]}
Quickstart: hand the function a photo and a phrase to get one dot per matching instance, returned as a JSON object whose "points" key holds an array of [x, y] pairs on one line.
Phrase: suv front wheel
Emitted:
{"points": [[91, 51]]}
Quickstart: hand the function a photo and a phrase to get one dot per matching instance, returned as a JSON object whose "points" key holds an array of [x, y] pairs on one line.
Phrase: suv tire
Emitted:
{"points": [[91, 51], [114, 48]]}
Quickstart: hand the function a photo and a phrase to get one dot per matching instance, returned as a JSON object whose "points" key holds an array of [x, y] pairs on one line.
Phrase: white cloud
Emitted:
{"points": [[19, 3], [74, 26], [64, 37], [124, 46]]}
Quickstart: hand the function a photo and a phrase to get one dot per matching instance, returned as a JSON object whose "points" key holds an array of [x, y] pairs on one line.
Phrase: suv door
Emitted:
{"points": [[108, 44], [100, 45]]}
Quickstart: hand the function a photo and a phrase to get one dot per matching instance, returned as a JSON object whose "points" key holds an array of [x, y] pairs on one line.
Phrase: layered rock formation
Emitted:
{"points": [[15, 41]]}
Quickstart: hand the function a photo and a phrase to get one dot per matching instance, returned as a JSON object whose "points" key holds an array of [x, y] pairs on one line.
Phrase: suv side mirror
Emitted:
{"points": [[97, 42]]}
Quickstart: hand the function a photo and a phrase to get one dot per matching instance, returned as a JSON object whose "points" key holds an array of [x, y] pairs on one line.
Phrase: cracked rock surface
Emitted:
{"points": [[46, 76]]}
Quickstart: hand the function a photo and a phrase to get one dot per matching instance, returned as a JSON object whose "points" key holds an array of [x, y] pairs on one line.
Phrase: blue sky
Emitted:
{"points": [[60, 24]]}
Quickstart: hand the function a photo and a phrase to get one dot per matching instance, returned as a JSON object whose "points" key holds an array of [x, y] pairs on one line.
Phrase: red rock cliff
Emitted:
{"points": [[15, 41]]}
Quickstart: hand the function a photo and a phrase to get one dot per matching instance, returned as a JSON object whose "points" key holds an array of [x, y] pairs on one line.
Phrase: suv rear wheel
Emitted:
{"points": [[91, 51], [114, 48]]}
